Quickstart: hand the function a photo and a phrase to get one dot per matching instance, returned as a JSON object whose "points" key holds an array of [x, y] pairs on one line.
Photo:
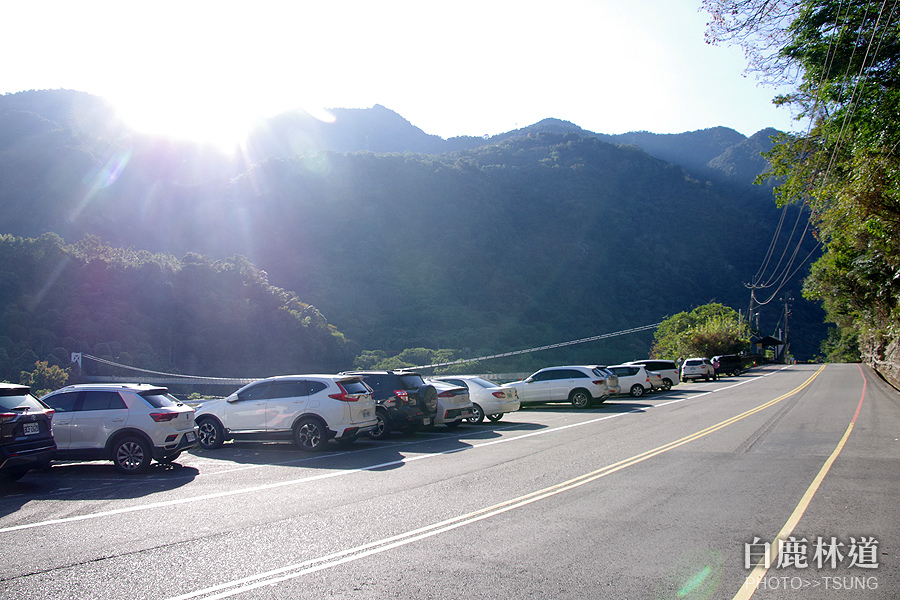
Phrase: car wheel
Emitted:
{"points": [[737, 373], [580, 399], [131, 455], [495, 417], [667, 384], [477, 415], [637, 390], [382, 428], [210, 434], [310, 434]]}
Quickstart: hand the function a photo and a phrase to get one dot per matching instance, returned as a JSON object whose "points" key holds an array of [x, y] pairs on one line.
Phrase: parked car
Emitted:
{"points": [[127, 423], [729, 364], [26, 437], [308, 409], [488, 399], [697, 368], [667, 369], [403, 400], [580, 385], [454, 403], [633, 379]]}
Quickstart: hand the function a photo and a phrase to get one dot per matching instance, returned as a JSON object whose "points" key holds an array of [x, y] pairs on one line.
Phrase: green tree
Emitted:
{"points": [[846, 166], [708, 330], [44, 379]]}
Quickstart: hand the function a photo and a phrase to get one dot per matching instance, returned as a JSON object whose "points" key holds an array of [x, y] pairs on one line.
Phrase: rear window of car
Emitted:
{"points": [[354, 387], [159, 399], [484, 382], [693, 363], [10, 401]]}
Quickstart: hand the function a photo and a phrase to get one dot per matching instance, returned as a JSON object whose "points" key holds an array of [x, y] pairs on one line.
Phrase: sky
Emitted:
{"points": [[207, 70]]}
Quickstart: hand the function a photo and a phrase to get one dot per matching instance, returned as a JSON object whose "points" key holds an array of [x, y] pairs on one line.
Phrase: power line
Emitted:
{"points": [[539, 348]]}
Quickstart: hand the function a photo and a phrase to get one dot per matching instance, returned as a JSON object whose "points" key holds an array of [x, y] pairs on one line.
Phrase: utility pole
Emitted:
{"points": [[787, 312]]}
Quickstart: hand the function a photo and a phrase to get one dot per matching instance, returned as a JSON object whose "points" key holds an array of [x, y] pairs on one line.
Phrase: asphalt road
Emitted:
{"points": [[673, 495]]}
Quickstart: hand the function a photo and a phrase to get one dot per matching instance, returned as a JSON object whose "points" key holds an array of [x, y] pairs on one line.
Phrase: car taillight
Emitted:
{"points": [[498, 394], [164, 417], [7, 417], [598, 381], [50, 412], [447, 394], [402, 395], [345, 397]]}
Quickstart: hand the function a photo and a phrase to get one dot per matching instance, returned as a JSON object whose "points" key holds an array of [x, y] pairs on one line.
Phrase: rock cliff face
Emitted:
{"points": [[883, 355]]}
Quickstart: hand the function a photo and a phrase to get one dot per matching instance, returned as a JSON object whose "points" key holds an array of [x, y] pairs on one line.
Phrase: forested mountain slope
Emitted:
{"points": [[521, 240]]}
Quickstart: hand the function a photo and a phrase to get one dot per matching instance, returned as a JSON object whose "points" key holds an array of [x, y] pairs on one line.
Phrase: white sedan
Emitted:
{"points": [[488, 399]]}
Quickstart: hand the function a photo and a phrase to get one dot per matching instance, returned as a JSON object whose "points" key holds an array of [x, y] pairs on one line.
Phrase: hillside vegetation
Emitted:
{"points": [[482, 246]]}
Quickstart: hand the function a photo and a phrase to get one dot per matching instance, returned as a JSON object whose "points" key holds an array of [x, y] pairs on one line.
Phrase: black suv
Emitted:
{"points": [[730, 364], [26, 441], [403, 401]]}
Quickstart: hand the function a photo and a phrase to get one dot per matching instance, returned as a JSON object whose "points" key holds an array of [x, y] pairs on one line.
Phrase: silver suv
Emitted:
{"points": [[309, 409], [578, 384], [127, 423]]}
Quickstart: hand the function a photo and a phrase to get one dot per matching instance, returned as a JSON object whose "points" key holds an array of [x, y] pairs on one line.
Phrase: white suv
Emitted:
{"points": [[310, 409], [580, 385], [697, 368], [126, 423], [633, 379]]}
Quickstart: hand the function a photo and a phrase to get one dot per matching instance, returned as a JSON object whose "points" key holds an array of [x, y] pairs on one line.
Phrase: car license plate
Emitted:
{"points": [[191, 436], [426, 421], [366, 414], [31, 428]]}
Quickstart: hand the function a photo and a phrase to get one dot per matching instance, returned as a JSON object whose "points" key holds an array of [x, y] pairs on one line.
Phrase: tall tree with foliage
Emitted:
{"points": [[846, 166], [709, 330]]}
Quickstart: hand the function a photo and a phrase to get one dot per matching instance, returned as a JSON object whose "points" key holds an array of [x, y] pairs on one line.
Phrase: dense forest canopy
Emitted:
{"points": [[194, 315]]}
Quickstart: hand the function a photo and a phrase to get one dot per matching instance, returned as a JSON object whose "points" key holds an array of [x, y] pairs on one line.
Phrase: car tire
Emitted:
{"points": [[737, 373], [310, 434], [637, 390], [131, 455], [667, 384], [382, 427], [580, 398], [478, 415], [210, 433], [495, 417]]}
